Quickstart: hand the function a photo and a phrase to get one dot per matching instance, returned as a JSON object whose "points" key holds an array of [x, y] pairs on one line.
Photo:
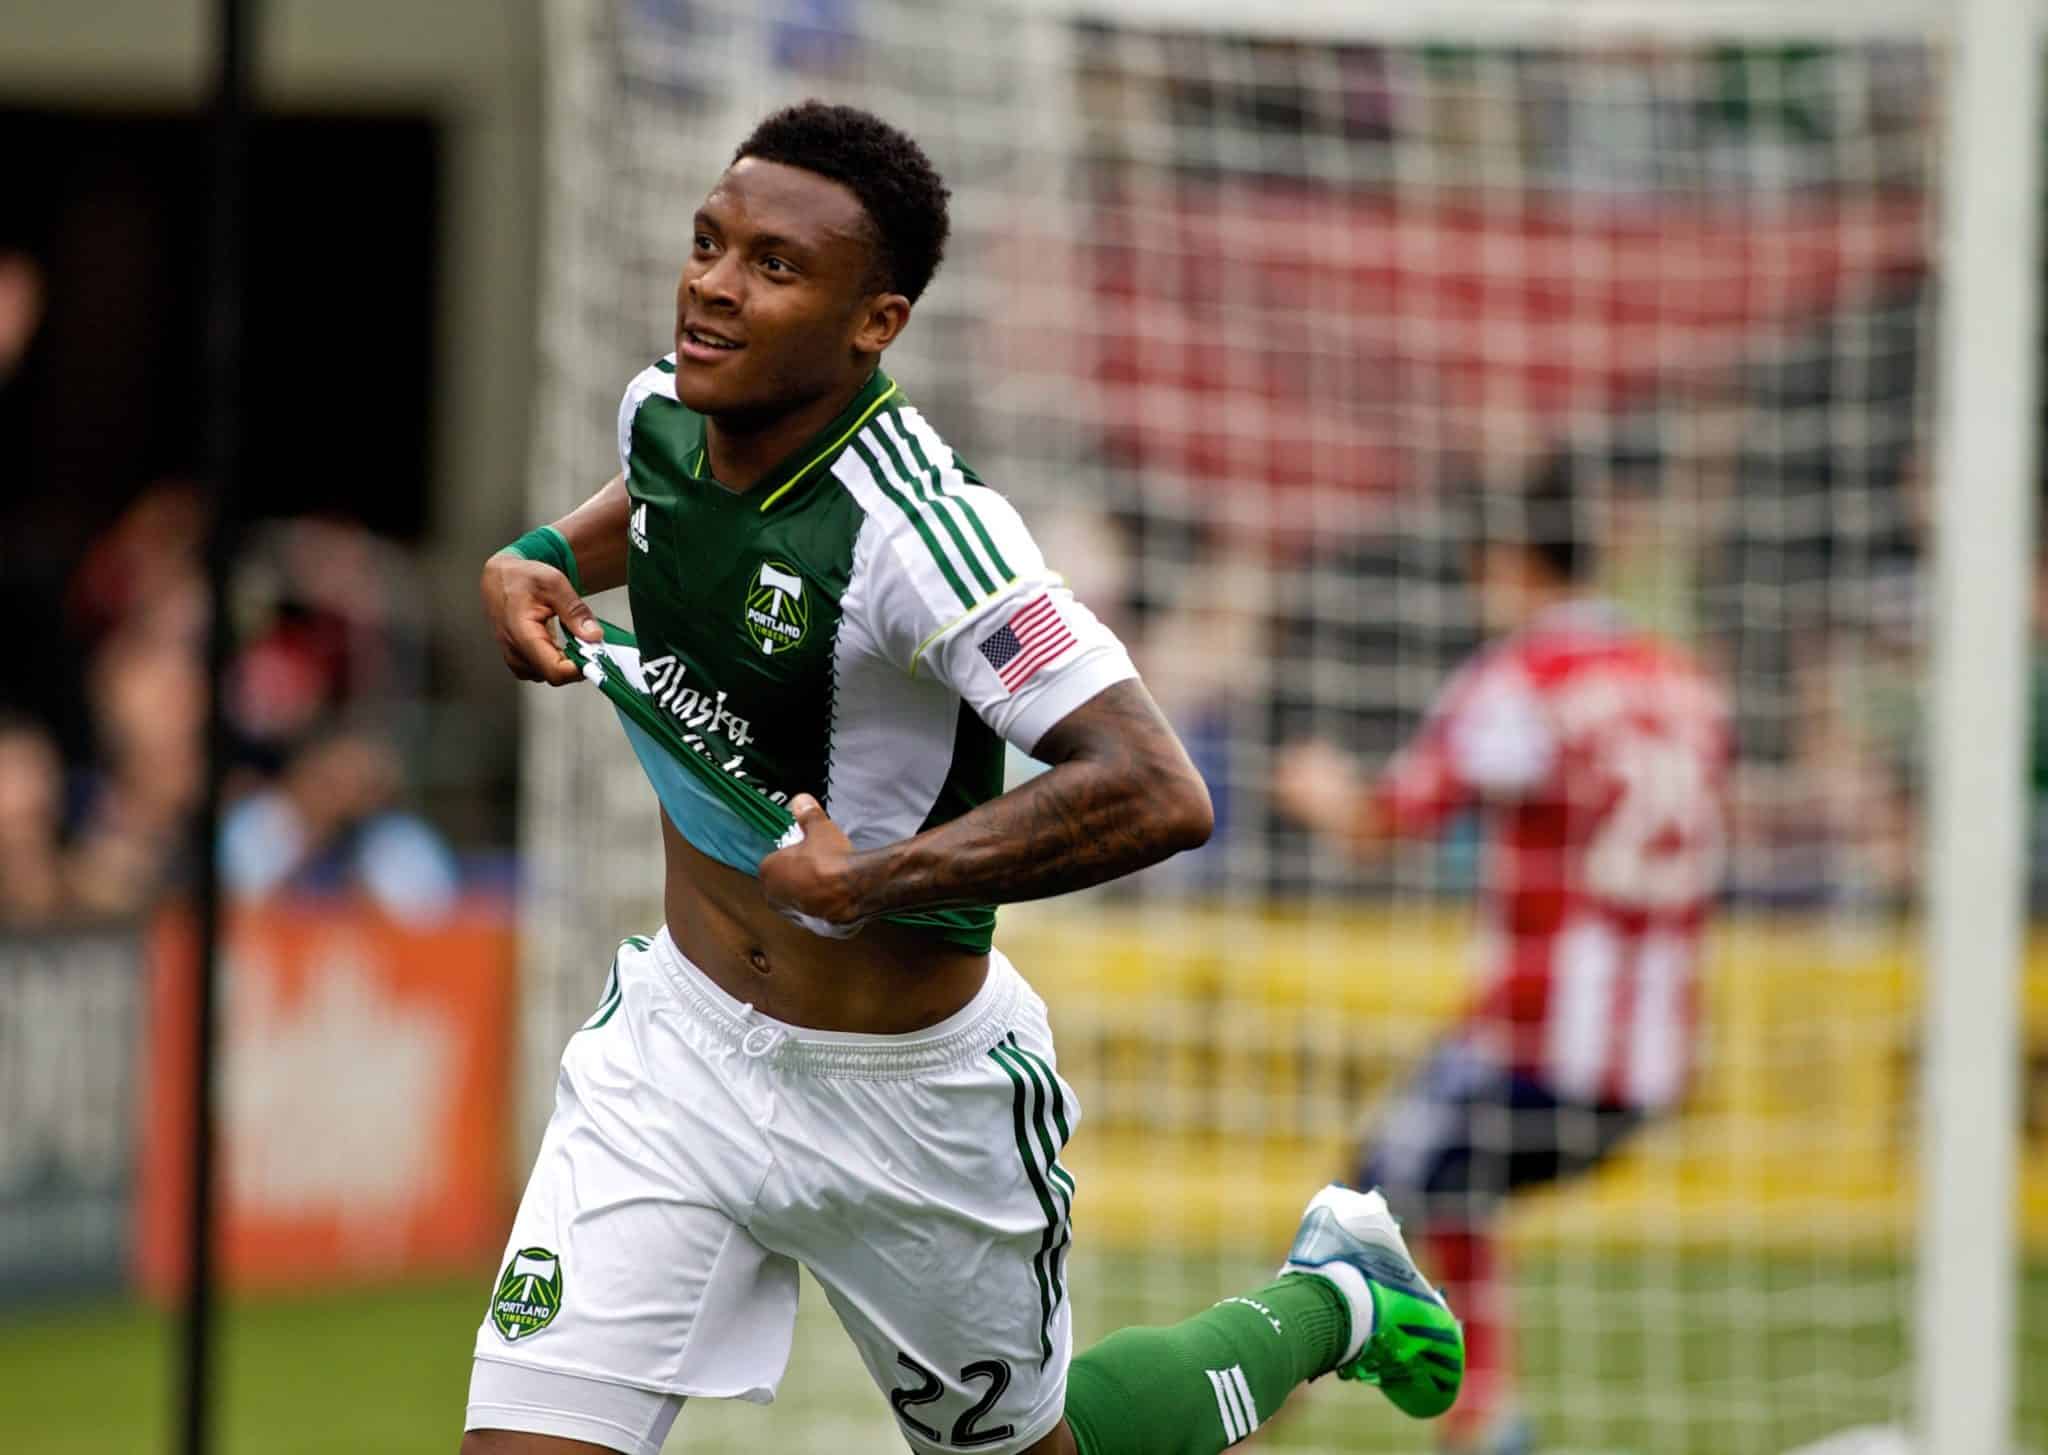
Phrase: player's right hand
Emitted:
{"points": [[520, 598]]}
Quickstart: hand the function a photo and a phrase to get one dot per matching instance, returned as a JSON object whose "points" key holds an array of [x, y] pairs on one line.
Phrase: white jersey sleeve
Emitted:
{"points": [[653, 379], [954, 589]]}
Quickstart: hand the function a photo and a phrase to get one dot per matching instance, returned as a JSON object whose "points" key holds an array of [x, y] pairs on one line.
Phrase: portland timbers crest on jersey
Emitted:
{"points": [[529, 1293], [777, 614]]}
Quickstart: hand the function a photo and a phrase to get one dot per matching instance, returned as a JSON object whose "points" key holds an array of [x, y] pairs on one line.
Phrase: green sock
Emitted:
{"points": [[1202, 1385]]}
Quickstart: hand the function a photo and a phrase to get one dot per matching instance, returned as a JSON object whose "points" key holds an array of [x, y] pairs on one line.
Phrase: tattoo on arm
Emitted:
{"points": [[1121, 795]]}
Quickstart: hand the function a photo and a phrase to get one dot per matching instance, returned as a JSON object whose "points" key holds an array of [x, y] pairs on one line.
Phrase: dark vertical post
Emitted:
{"points": [[224, 427]]}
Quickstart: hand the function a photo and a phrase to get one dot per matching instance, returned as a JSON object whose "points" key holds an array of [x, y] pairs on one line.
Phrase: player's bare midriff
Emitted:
{"points": [[886, 980]]}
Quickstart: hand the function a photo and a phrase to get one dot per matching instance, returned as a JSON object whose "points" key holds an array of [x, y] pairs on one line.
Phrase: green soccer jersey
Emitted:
{"points": [[869, 624]]}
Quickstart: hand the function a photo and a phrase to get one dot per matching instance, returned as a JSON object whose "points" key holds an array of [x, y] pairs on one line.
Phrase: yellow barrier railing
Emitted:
{"points": [[1229, 1059]]}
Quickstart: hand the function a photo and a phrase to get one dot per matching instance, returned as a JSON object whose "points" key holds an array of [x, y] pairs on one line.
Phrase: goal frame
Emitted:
{"points": [[1977, 799], [1982, 531], [1982, 516]]}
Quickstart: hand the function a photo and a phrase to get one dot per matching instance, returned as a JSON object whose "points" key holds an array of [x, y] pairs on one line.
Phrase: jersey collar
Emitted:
{"points": [[815, 456]]}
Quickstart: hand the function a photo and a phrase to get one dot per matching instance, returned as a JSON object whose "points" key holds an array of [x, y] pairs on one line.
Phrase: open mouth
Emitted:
{"points": [[703, 340]]}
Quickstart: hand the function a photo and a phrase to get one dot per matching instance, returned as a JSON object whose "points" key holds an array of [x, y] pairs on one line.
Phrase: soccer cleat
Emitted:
{"points": [[1415, 1351]]}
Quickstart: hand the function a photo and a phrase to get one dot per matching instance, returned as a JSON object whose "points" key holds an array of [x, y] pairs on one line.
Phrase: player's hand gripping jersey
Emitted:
{"points": [[1601, 754], [868, 626]]}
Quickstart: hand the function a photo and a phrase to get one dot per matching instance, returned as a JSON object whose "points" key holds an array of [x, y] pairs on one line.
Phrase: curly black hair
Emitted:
{"points": [[1549, 522], [890, 174]]}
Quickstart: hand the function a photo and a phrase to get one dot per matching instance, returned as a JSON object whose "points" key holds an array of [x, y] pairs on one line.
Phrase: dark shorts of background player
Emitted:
{"points": [[1465, 1131]]}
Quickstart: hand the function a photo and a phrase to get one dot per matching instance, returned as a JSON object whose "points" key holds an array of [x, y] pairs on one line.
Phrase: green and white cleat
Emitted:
{"points": [[1404, 1337]]}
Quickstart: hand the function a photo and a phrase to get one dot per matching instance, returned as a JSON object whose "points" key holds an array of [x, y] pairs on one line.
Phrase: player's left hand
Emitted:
{"points": [[812, 881], [1318, 785]]}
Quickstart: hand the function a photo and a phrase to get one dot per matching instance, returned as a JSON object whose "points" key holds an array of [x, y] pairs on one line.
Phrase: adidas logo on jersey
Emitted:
{"points": [[636, 526]]}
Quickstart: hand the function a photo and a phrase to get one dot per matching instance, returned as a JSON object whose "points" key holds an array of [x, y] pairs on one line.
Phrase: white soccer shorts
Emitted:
{"points": [[700, 1151]]}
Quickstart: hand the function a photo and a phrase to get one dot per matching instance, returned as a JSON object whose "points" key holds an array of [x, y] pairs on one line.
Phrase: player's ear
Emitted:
{"points": [[881, 320]]}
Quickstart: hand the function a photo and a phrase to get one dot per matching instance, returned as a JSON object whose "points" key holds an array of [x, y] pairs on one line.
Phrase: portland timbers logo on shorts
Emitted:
{"points": [[777, 614], [529, 1293]]}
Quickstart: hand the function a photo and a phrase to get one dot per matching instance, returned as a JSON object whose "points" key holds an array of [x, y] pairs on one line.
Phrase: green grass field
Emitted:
{"points": [[1663, 1355]]}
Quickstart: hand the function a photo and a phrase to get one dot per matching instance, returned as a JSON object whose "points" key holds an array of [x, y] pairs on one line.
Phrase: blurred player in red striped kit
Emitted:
{"points": [[1598, 755]]}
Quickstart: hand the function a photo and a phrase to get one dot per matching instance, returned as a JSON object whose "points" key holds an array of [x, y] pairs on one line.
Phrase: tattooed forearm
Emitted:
{"points": [[1121, 795]]}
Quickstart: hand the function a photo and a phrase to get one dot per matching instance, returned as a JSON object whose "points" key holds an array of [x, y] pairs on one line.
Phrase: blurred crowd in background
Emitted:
{"points": [[105, 524], [316, 797], [103, 735]]}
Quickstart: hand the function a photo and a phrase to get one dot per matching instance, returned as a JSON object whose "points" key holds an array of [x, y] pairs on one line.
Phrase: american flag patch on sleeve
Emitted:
{"points": [[1034, 635]]}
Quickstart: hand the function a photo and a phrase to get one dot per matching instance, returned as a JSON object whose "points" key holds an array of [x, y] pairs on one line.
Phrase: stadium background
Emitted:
{"points": [[1243, 322]]}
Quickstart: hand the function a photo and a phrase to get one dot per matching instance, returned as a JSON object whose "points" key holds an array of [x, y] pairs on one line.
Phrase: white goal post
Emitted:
{"points": [[1984, 516]]}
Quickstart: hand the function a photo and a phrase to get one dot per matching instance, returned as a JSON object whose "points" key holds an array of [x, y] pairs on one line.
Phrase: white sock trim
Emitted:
{"points": [[1244, 1396], [1226, 1407]]}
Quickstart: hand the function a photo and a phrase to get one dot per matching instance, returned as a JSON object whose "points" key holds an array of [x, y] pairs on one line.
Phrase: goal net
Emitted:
{"points": [[1245, 319]]}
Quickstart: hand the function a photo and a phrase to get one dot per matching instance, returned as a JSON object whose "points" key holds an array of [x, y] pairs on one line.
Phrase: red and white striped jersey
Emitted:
{"points": [[1600, 756]]}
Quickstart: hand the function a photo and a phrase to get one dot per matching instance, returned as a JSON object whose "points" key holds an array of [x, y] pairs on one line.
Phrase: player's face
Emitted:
{"points": [[776, 306]]}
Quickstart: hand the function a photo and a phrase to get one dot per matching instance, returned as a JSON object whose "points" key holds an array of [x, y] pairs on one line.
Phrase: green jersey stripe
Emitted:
{"points": [[949, 503], [910, 434], [1059, 1236], [924, 484], [1017, 1057], [1059, 1111], [916, 518], [609, 1002], [1043, 1128], [1056, 1264], [1043, 1258]]}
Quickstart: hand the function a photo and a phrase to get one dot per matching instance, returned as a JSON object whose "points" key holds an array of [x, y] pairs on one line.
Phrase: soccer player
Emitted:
{"points": [[1598, 755], [820, 1059]]}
